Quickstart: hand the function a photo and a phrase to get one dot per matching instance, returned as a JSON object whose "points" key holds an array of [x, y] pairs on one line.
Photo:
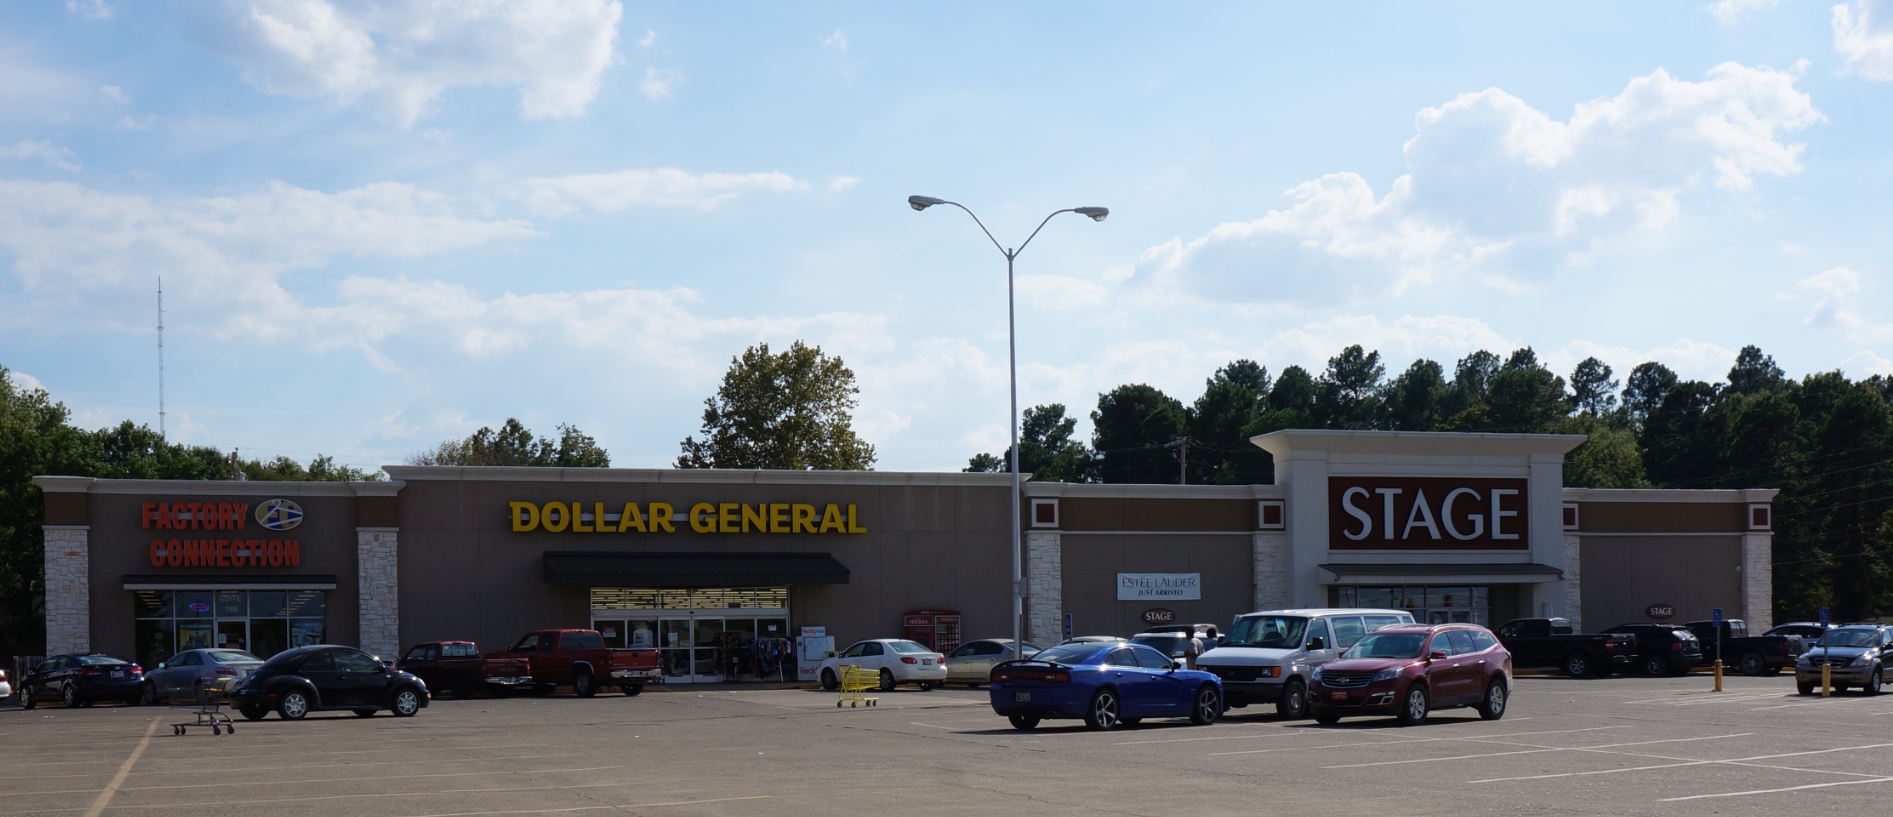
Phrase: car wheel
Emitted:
{"points": [[1294, 702], [366, 713], [294, 707], [1752, 663], [828, 681], [632, 690], [253, 713], [1655, 665], [1103, 713], [1805, 689], [407, 702], [1496, 698], [1327, 718], [887, 680], [459, 688], [582, 684], [27, 701], [1577, 665], [1414, 708], [927, 686], [1024, 721], [1209, 705], [151, 694], [197, 691], [1872, 686], [70, 695]]}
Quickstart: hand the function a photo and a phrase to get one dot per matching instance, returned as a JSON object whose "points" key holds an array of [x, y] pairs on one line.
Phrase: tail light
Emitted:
{"points": [[90, 671], [1610, 643], [137, 670], [1676, 646], [227, 671], [908, 659], [1032, 674]]}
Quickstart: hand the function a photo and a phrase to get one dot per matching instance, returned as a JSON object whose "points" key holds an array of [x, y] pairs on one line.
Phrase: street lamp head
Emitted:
{"points": [[1096, 213], [923, 202]]}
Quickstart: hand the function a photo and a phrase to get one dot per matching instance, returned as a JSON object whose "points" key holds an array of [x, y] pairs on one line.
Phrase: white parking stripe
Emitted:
{"points": [[1533, 751], [1405, 741], [1738, 761], [1778, 791]]}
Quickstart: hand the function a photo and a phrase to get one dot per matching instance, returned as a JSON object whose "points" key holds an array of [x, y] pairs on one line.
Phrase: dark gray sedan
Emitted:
{"points": [[188, 673]]}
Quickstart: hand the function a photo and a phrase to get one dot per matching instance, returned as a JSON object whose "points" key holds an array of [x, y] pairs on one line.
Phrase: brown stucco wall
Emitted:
{"points": [[466, 575], [1091, 564], [121, 547], [1624, 575], [1137, 514]]}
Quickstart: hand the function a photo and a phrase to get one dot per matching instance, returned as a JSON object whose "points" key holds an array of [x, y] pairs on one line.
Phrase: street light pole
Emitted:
{"points": [[1012, 365]]}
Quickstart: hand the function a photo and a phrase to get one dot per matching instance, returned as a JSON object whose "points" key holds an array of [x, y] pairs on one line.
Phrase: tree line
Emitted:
{"points": [[1825, 441]]}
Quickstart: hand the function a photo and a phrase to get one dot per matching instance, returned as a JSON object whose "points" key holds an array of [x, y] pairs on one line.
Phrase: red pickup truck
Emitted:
{"points": [[580, 659], [456, 667]]}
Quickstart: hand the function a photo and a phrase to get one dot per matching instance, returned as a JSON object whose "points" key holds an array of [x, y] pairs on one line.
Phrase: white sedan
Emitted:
{"points": [[897, 660], [973, 662]]}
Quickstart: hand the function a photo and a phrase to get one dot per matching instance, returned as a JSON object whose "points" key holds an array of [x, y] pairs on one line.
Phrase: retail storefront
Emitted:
{"points": [[717, 569]]}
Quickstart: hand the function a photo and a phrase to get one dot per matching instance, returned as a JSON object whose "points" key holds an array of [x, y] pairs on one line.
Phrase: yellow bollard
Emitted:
{"points": [[1718, 675], [1827, 680]]}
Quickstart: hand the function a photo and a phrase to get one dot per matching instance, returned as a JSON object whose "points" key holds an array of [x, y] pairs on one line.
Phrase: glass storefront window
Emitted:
{"points": [[151, 604], [233, 604], [193, 604], [305, 632], [263, 622], [1429, 604], [306, 603], [269, 604]]}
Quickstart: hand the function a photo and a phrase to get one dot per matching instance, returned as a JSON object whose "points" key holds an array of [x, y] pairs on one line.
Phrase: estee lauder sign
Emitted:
{"points": [[660, 517], [1427, 513]]}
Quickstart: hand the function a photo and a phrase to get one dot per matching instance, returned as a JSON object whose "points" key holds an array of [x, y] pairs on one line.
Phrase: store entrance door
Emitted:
{"points": [[702, 635]]}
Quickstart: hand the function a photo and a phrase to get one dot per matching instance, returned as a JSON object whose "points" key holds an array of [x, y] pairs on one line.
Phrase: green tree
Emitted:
{"points": [[1412, 400], [1046, 449], [512, 444], [321, 469], [128, 451], [1129, 429], [1592, 390], [1349, 394], [1462, 407], [1524, 397], [787, 411], [1754, 372], [1644, 391], [1680, 446], [1291, 403], [1232, 402], [1609, 459], [35, 439]]}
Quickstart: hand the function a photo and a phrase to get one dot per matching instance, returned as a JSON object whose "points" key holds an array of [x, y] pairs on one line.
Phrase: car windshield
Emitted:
{"points": [[1850, 638], [99, 660], [1166, 644], [1281, 632], [908, 647], [1069, 654], [232, 657], [1387, 645]]}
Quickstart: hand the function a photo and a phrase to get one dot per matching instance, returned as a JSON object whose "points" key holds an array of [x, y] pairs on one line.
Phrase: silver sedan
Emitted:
{"points": [[191, 672], [973, 662]]}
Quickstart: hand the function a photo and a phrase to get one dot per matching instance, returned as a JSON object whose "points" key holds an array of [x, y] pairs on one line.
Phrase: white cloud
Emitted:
{"points": [[840, 183], [1836, 294], [54, 155], [1057, 292], [1867, 50], [662, 187], [836, 40], [1866, 363], [1500, 191], [24, 381], [1692, 359], [1731, 12], [133, 123], [114, 95], [656, 84], [398, 57], [91, 9], [650, 36]]}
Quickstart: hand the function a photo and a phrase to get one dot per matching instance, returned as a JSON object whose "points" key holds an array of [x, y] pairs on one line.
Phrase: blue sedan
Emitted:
{"points": [[1105, 685]]}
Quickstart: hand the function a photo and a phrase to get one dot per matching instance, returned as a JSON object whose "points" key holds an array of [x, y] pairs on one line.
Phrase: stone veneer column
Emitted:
{"points": [[376, 551], [1573, 588], [1758, 581], [68, 589], [1044, 588], [1270, 554]]}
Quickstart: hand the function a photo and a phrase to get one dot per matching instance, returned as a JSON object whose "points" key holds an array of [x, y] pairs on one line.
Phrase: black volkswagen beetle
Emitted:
{"points": [[324, 676]]}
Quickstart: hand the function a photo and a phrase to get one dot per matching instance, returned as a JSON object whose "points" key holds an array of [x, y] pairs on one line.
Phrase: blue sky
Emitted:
{"points": [[383, 224]]}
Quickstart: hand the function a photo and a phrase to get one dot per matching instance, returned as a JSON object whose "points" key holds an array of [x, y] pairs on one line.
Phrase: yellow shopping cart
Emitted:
{"points": [[854, 682]]}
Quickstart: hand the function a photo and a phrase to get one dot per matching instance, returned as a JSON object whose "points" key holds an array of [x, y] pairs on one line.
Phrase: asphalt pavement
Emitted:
{"points": [[1629, 746]]}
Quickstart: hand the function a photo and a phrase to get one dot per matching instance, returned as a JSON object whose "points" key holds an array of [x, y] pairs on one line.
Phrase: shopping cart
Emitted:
{"points": [[854, 682], [209, 710]]}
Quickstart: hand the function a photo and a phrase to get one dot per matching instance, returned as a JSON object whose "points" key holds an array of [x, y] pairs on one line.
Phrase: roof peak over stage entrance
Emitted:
{"points": [[1288, 443]]}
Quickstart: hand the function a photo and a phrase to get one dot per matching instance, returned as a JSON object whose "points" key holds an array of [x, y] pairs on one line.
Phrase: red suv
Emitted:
{"points": [[1408, 671]]}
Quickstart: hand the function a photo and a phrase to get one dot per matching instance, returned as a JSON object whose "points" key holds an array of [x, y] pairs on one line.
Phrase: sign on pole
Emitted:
{"points": [[1067, 625], [1823, 617], [1716, 616]]}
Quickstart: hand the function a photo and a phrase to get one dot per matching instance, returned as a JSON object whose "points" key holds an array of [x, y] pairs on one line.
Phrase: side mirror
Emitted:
{"points": [[1436, 655], [829, 654], [1317, 643], [1176, 665]]}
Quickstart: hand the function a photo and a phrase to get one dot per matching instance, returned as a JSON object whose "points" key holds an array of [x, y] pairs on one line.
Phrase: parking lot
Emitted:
{"points": [[1615, 746]]}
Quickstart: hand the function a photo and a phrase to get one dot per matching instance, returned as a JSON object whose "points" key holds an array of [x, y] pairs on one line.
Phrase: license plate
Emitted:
{"points": [[118, 675], [1022, 696], [926, 662], [1340, 696]]}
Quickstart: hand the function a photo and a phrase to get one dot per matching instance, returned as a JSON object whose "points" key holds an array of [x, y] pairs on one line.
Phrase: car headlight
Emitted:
{"points": [[1316, 674], [1387, 674], [1862, 660]]}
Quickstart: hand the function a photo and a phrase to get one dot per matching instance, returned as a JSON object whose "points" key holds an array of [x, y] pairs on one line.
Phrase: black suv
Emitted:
{"points": [[303, 680], [1663, 649]]}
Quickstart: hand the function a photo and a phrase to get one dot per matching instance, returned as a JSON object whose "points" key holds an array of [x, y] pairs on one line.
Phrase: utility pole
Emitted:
{"points": [[160, 357], [1182, 445]]}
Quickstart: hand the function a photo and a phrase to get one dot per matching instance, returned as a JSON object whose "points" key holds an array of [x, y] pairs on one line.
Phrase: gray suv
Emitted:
{"points": [[1855, 655]]}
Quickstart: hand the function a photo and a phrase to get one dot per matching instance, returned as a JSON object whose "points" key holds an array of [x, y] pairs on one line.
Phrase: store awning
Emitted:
{"points": [[1444, 572], [593, 569], [218, 582]]}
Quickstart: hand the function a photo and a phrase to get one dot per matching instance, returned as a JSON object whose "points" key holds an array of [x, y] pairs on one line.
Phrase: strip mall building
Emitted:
{"points": [[1455, 527]]}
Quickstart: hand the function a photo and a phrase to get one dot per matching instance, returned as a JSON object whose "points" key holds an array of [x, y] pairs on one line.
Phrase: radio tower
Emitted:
{"points": [[160, 357]]}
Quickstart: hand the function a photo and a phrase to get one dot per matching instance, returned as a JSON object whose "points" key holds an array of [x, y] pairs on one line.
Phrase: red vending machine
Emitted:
{"points": [[939, 630]]}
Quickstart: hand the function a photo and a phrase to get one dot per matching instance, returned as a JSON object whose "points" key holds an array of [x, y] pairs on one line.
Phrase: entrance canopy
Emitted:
{"points": [[1446, 573], [594, 569]]}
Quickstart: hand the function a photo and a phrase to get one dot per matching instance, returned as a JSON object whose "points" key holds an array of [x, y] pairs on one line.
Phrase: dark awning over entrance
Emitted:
{"points": [[593, 569], [1437, 572], [231, 582]]}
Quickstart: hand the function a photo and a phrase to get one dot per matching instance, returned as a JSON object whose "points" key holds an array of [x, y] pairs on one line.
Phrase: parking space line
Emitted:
{"points": [[363, 795], [1778, 791], [1735, 761], [598, 808], [1532, 751], [111, 789], [1405, 741], [1275, 732], [333, 780]]}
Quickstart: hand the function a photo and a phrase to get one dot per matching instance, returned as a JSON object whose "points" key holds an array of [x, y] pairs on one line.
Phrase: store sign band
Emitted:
{"points": [[226, 553], [1427, 513], [704, 517]]}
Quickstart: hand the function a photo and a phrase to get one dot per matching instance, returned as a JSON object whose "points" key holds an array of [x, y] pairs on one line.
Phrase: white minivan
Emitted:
{"points": [[1266, 656]]}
